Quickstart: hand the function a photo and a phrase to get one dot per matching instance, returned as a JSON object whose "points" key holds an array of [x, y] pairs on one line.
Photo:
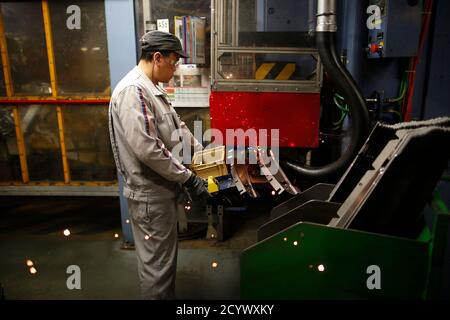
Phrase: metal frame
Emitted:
{"points": [[63, 190], [218, 48], [52, 72], [242, 180], [271, 169], [21, 146], [66, 187]]}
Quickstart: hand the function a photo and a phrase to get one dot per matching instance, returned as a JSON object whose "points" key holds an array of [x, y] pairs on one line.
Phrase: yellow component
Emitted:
{"points": [[212, 185], [62, 143], [210, 162], [263, 70], [287, 72], [5, 60], [10, 92], [21, 146], [49, 41]]}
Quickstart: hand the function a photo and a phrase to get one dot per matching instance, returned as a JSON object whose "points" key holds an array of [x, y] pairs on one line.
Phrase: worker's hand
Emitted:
{"points": [[197, 188]]}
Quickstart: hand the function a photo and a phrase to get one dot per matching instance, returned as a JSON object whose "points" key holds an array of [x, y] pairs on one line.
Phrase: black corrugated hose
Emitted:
{"points": [[326, 43]]}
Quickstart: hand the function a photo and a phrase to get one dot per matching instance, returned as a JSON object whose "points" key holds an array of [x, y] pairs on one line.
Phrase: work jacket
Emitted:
{"points": [[144, 128]]}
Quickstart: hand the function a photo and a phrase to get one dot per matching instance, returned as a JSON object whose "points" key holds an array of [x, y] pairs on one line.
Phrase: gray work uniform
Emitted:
{"points": [[142, 124]]}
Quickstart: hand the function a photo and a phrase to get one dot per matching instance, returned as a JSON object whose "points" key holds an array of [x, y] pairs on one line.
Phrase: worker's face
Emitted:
{"points": [[166, 66]]}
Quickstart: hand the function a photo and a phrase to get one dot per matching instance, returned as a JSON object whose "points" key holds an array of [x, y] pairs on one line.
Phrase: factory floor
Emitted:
{"points": [[31, 228]]}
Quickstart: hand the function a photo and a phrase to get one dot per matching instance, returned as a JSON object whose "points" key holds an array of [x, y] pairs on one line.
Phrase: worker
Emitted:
{"points": [[142, 124]]}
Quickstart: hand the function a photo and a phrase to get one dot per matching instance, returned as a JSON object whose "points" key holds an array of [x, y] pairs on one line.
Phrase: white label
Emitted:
{"points": [[163, 25]]}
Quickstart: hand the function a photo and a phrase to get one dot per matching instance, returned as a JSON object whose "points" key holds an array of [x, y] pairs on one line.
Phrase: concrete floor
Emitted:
{"points": [[32, 228]]}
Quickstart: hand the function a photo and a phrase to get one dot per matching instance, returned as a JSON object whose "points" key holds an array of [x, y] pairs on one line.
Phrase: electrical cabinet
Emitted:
{"points": [[396, 33]]}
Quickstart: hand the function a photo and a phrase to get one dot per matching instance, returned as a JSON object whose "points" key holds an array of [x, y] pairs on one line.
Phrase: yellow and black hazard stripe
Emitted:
{"points": [[275, 71]]}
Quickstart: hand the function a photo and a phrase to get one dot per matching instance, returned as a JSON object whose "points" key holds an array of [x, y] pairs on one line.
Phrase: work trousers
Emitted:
{"points": [[154, 225]]}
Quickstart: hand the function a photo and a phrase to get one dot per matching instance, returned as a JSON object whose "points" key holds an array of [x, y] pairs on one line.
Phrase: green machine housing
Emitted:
{"points": [[367, 236]]}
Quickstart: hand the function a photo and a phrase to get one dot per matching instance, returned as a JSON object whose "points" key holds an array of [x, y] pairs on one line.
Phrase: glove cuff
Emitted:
{"points": [[189, 180]]}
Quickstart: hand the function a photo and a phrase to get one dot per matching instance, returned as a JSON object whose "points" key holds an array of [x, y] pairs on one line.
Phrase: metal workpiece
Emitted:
{"points": [[271, 169], [326, 16], [242, 180]]}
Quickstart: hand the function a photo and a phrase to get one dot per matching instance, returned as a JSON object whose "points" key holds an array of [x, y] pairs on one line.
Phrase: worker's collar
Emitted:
{"points": [[154, 89]]}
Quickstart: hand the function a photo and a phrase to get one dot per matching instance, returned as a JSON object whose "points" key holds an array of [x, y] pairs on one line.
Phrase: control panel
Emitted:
{"points": [[395, 28]]}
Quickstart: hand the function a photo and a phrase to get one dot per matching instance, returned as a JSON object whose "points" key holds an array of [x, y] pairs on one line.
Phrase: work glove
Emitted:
{"points": [[197, 188]]}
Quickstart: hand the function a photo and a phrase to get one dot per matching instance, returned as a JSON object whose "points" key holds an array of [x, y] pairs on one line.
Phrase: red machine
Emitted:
{"points": [[267, 73], [260, 82], [269, 110]]}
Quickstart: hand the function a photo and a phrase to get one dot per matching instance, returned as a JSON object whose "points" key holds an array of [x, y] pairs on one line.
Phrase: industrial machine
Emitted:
{"points": [[267, 98], [327, 241], [331, 240], [267, 74]]}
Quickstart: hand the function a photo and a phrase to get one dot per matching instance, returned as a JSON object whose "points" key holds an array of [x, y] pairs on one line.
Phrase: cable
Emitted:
{"points": [[337, 125], [344, 111], [403, 87], [395, 112], [340, 106]]}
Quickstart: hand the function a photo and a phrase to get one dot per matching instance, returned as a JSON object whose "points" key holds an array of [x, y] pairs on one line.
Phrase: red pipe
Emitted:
{"points": [[415, 61], [60, 101]]}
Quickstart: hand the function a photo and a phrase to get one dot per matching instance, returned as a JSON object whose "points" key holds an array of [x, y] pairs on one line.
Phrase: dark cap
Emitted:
{"points": [[161, 41]]}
